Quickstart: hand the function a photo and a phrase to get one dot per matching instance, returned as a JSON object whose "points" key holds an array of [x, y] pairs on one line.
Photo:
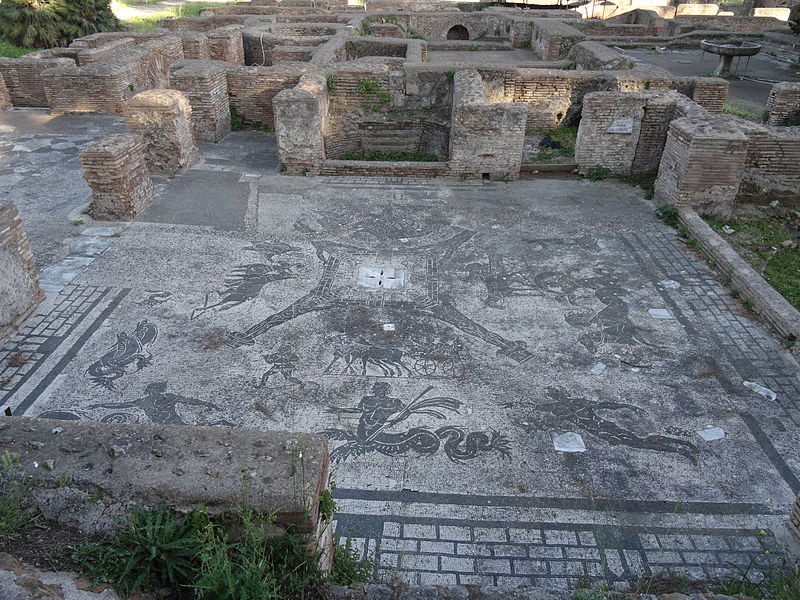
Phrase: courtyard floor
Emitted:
{"points": [[527, 382]]}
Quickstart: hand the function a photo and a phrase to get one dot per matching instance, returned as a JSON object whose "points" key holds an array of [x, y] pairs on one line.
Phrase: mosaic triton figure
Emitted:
{"points": [[380, 412], [583, 413]]}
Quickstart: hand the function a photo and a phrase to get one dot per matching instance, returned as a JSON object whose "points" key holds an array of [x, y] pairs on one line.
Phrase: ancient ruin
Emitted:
{"points": [[357, 221]]}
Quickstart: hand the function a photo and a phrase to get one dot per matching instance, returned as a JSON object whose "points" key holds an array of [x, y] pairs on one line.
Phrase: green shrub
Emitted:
{"points": [[48, 23], [367, 85], [15, 514], [330, 81], [669, 214], [598, 173], [349, 568], [152, 550]]}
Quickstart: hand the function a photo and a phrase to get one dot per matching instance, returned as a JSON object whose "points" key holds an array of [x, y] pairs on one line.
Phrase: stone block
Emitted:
{"points": [[179, 466], [164, 119], [299, 118], [116, 171], [5, 97]]}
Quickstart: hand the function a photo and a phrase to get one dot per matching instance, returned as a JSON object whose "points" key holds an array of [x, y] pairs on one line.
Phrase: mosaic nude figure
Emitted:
{"points": [[160, 406], [584, 414]]}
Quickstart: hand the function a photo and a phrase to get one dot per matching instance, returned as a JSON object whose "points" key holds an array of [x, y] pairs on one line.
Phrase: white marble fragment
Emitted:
{"points": [[569, 442]]}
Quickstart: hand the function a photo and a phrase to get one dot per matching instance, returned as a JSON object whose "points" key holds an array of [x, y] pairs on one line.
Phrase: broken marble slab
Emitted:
{"points": [[760, 389], [569, 442]]}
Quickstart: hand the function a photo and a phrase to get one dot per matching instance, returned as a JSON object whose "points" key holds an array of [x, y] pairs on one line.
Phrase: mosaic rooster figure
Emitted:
{"points": [[128, 350]]}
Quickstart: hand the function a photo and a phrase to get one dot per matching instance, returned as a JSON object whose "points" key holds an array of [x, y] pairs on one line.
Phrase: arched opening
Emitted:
{"points": [[458, 32]]}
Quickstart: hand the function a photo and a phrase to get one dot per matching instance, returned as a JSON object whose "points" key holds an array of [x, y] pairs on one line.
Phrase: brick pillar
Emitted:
{"points": [[783, 102], [115, 169], [794, 517], [195, 45], [299, 117], [226, 45], [5, 97], [19, 280], [710, 93], [164, 119], [702, 165], [205, 84]]}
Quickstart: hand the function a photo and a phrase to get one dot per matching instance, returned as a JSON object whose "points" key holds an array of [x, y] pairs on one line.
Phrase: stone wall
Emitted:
{"points": [[116, 171], [300, 115], [178, 466], [205, 85], [362, 168], [486, 140], [784, 103], [19, 279], [552, 39], [164, 119]]}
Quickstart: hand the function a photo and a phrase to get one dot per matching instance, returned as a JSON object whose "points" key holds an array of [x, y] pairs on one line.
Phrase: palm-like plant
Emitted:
{"points": [[29, 23]]}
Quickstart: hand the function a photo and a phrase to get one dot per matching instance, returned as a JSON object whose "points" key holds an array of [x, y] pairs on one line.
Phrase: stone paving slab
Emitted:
{"points": [[442, 335]]}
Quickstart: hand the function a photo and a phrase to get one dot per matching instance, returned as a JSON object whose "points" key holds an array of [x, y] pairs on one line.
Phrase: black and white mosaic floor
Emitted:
{"points": [[530, 382]]}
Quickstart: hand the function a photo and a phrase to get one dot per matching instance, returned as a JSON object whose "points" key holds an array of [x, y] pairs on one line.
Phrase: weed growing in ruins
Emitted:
{"points": [[645, 181], [15, 513], [598, 173], [669, 214], [327, 505], [9, 50], [152, 550], [730, 109], [570, 66], [330, 82], [474, 47], [348, 566], [77, 222], [564, 136], [367, 85], [780, 581], [526, 44]]}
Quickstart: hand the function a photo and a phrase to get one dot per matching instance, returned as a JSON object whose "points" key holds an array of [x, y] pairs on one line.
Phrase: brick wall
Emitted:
{"points": [[252, 89], [485, 139], [384, 169], [104, 87], [164, 119], [609, 131], [24, 80], [116, 171], [794, 517], [19, 279], [226, 44], [205, 85], [784, 102]]}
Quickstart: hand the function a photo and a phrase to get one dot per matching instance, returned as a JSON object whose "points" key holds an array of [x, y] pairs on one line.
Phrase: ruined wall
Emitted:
{"points": [[205, 84], [104, 87], [116, 171], [164, 119], [725, 23], [19, 279], [626, 132], [300, 115], [486, 140], [552, 39], [24, 80], [252, 89], [784, 103]]}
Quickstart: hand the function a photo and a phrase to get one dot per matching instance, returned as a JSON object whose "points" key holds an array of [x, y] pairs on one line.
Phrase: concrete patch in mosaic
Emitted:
{"points": [[710, 434], [760, 389], [569, 442]]}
